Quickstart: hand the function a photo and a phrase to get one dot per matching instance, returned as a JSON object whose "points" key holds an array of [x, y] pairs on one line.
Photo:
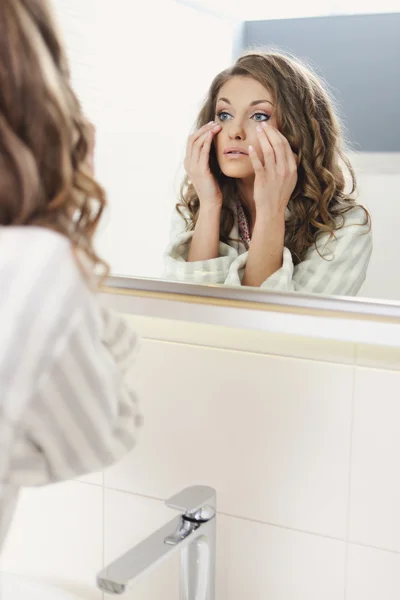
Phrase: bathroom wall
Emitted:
{"points": [[378, 177], [360, 74], [299, 437]]}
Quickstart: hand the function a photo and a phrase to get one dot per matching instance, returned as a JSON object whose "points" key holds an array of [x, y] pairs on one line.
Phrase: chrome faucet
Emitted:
{"points": [[193, 533]]}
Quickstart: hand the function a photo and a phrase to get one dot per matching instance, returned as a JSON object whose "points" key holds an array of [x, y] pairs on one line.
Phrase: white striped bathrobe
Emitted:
{"points": [[66, 407], [339, 266]]}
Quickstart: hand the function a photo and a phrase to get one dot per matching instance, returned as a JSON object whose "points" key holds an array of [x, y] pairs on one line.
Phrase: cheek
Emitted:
{"points": [[219, 141], [252, 137]]}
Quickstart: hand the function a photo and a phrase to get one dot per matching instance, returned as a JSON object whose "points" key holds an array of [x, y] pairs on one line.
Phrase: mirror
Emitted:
{"points": [[142, 73]]}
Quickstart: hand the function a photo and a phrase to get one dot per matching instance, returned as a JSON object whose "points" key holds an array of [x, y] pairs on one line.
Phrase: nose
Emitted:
{"points": [[236, 130]]}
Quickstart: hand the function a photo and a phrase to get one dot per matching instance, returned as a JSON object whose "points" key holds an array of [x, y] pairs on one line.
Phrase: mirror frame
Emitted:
{"points": [[337, 318]]}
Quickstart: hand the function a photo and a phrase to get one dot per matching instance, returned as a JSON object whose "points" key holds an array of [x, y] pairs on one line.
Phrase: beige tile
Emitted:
{"points": [[253, 560], [375, 482], [372, 574], [378, 357], [270, 434], [57, 537], [260, 342]]}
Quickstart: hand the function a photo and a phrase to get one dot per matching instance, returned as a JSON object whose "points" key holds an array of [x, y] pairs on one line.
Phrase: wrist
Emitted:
{"points": [[265, 218], [213, 211]]}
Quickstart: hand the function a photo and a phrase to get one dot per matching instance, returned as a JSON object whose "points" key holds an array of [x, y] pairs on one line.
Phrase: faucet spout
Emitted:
{"points": [[192, 533]]}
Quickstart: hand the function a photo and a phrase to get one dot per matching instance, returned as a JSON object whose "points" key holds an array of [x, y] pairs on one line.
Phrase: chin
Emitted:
{"points": [[236, 171]]}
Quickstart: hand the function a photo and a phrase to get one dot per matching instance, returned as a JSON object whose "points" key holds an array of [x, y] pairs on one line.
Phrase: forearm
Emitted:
{"points": [[205, 241], [266, 250]]}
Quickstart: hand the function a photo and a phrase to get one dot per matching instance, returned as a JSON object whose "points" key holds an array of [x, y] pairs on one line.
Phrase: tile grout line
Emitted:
{"points": [[363, 545], [355, 357], [352, 420], [267, 523], [325, 361], [239, 517], [349, 363]]}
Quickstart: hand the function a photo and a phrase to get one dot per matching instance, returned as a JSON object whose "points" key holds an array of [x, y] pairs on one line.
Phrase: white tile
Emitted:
{"points": [[253, 560], [128, 520], [373, 574], [375, 482], [259, 561], [270, 434], [57, 536]]}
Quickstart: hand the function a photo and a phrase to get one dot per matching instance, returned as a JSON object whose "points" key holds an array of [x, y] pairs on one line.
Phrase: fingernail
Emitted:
{"points": [[259, 129], [216, 127], [209, 123], [251, 149]]}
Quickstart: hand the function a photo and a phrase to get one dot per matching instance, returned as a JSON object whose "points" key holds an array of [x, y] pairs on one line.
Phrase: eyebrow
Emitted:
{"points": [[254, 103]]}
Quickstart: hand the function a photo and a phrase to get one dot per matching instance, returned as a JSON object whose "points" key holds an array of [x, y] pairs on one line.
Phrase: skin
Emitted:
{"points": [[266, 174]]}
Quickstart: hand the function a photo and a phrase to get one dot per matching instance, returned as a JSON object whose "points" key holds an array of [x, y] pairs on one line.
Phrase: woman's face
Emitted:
{"points": [[242, 103]]}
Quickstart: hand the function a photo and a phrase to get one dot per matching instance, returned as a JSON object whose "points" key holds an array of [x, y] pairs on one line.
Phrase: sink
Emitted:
{"points": [[15, 587]]}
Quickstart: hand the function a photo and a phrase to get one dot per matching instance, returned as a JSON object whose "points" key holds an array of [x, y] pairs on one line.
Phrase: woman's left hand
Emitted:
{"points": [[275, 175]]}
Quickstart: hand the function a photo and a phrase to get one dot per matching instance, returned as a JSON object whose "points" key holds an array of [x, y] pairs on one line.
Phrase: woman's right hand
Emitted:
{"points": [[197, 166]]}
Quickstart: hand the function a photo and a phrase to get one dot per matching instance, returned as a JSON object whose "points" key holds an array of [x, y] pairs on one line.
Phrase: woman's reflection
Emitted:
{"points": [[264, 203]]}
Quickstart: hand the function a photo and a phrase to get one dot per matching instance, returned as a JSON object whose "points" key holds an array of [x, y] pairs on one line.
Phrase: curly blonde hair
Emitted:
{"points": [[306, 116], [45, 140]]}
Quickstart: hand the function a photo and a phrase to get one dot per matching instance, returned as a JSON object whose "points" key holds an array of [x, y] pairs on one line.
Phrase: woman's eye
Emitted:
{"points": [[264, 117], [223, 115]]}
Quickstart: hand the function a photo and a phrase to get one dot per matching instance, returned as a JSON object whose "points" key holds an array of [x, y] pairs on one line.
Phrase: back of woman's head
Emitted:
{"points": [[45, 141]]}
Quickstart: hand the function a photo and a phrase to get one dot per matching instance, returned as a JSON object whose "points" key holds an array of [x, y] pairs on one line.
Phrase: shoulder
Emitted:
{"points": [[41, 274], [29, 246], [354, 227], [38, 256], [357, 215], [352, 233], [43, 298], [353, 224]]}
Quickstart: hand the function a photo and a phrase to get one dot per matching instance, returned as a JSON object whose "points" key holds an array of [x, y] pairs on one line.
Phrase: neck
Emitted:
{"points": [[246, 189]]}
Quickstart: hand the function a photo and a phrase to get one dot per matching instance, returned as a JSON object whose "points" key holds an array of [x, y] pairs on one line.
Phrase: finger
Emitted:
{"points": [[255, 161], [291, 157], [267, 149], [198, 147], [192, 139], [205, 151], [278, 142]]}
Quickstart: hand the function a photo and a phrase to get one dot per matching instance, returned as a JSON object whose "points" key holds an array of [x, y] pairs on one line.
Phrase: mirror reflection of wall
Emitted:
{"points": [[147, 86], [141, 82]]}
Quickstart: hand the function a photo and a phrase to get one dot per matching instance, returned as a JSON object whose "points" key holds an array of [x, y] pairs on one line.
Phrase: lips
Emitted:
{"points": [[235, 150]]}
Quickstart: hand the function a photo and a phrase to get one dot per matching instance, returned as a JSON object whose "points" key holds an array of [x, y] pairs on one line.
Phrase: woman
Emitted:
{"points": [[264, 203], [66, 407]]}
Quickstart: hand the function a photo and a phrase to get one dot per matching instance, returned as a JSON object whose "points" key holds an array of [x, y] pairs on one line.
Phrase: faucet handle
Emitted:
{"points": [[196, 502]]}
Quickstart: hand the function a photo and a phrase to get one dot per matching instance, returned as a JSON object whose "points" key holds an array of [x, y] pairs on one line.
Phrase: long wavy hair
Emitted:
{"points": [[45, 140], [306, 116]]}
